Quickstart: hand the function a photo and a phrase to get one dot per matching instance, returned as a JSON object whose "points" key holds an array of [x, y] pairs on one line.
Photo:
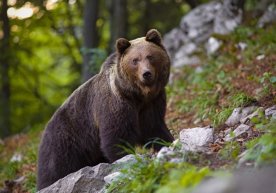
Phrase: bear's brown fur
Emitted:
{"points": [[125, 102]]}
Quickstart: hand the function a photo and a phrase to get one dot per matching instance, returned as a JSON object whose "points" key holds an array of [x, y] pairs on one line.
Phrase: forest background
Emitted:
{"points": [[49, 47]]}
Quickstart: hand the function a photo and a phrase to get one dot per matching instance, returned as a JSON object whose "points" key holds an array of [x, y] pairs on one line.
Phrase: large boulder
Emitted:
{"points": [[88, 179], [196, 139], [228, 17], [91, 179], [197, 26]]}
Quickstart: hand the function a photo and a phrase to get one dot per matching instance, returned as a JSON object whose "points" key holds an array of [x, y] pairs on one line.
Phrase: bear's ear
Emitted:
{"points": [[121, 45], [154, 36]]}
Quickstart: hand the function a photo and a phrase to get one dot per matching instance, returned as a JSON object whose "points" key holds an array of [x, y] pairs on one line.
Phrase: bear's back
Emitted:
{"points": [[109, 62]]}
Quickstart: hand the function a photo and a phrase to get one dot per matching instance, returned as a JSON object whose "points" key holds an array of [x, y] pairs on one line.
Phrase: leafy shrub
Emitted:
{"points": [[263, 150], [149, 175]]}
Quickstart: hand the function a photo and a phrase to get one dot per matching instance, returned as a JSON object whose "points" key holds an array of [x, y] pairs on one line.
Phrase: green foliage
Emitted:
{"points": [[250, 4], [242, 33], [97, 58], [209, 93], [184, 105], [43, 70], [273, 79], [183, 180], [263, 150], [222, 116], [204, 90], [230, 151], [148, 175], [259, 120], [9, 170], [144, 15], [26, 167], [30, 183], [179, 86], [267, 77], [45, 51], [268, 81], [265, 43], [240, 100]]}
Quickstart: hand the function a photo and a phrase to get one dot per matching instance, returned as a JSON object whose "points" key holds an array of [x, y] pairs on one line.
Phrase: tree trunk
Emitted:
{"points": [[118, 21], [5, 129], [90, 37], [147, 16], [240, 4]]}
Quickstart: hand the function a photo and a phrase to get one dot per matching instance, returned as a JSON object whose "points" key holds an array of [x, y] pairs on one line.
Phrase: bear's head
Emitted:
{"points": [[143, 63]]}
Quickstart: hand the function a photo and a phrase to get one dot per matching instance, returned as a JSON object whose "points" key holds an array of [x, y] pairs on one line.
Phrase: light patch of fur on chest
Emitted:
{"points": [[112, 76]]}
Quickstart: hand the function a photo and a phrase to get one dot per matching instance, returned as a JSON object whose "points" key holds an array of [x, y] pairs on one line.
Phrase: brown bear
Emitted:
{"points": [[124, 103]]}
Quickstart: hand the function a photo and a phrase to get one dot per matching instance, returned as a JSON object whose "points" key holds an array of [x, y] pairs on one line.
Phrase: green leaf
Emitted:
{"points": [[273, 79]]}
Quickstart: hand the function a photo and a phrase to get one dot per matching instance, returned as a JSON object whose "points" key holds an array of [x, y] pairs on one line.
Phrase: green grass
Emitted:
{"points": [[201, 92], [262, 150], [26, 167], [230, 151], [149, 175], [240, 100], [222, 115]]}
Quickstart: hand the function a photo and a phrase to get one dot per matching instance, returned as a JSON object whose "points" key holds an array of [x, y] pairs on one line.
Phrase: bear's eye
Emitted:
{"points": [[135, 61], [150, 58]]}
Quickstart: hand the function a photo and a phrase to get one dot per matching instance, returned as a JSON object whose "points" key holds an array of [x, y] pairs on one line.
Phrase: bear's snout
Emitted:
{"points": [[147, 75]]}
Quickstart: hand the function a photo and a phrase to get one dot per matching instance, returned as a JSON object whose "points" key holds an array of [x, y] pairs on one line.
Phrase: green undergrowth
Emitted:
{"points": [[262, 150], [211, 91], [259, 151], [12, 170], [149, 175]]}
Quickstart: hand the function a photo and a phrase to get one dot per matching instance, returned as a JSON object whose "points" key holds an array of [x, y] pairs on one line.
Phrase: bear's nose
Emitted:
{"points": [[147, 75]]}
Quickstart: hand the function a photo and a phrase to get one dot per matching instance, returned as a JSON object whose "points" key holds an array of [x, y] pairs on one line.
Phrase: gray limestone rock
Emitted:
{"points": [[242, 46], [270, 111], [256, 113], [198, 23], [131, 158], [238, 114], [111, 177], [173, 40], [237, 132], [183, 55], [196, 28], [268, 17], [86, 180], [196, 139], [186, 60], [228, 17], [212, 45], [168, 154], [234, 117]]}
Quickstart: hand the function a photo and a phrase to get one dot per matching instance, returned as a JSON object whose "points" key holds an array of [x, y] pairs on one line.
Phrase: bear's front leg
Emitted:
{"points": [[152, 123], [118, 127]]}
